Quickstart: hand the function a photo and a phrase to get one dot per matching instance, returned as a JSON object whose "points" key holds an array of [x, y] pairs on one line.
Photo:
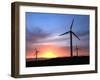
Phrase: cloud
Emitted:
{"points": [[83, 33], [54, 38], [35, 34]]}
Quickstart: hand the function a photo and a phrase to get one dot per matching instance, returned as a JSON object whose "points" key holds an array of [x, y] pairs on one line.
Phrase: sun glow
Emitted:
{"points": [[49, 54], [49, 51]]}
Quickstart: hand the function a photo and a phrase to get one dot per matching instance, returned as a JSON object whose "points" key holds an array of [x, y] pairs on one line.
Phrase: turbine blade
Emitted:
{"points": [[75, 35], [64, 33], [72, 24]]}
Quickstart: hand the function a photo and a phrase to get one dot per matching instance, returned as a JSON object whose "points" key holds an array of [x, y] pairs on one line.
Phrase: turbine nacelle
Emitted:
{"points": [[70, 33]]}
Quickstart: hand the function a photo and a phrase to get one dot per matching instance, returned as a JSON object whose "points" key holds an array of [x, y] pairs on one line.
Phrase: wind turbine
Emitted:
{"points": [[36, 53], [71, 38], [77, 50]]}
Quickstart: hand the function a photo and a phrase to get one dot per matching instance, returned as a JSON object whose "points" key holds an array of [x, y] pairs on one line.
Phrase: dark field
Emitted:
{"points": [[59, 61]]}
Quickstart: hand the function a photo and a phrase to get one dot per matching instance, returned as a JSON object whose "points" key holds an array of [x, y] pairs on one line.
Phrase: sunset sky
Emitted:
{"points": [[43, 30]]}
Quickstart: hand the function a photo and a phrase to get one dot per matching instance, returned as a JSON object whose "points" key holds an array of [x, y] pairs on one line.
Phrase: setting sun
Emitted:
{"points": [[49, 54]]}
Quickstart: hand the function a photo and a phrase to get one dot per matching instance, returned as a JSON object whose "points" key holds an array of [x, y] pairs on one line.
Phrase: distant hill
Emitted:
{"points": [[58, 61], [33, 59]]}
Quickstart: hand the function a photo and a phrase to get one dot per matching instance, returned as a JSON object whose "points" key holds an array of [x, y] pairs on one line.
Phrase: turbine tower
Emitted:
{"points": [[71, 38], [77, 50], [36, 53]]}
